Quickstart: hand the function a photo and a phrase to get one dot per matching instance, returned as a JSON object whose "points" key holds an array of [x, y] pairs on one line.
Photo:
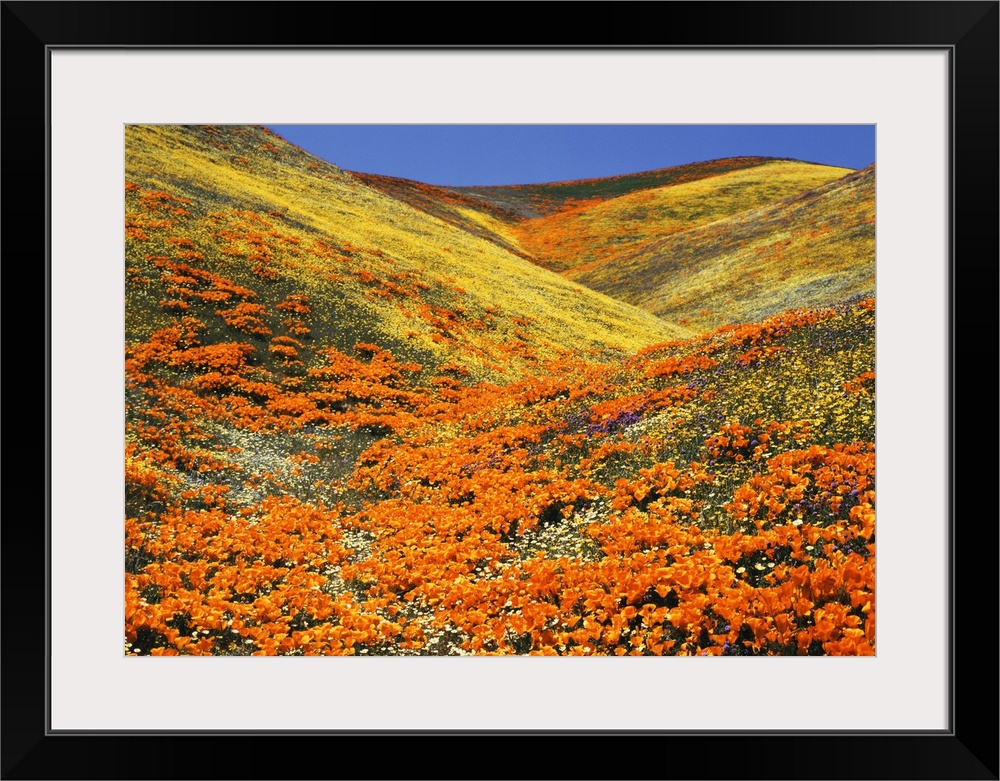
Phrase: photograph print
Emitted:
{"points": [[419, 390]]}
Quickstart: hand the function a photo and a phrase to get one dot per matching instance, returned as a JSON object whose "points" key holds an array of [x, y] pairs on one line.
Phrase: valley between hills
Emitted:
{"points": [[370, 416]]}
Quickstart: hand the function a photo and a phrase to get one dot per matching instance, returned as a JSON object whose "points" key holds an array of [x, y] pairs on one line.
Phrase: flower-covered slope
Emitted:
{"points": [[812, 249], [532, 201], [256, 212], [700, 245], [589, 236], [303, 476]]}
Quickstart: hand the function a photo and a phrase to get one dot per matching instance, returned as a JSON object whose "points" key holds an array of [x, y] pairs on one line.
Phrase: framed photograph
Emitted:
{"points": [[112, 99]]}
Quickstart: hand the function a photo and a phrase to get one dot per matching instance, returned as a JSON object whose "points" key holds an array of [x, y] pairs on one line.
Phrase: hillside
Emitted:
{"points": [[699, 245], [566, 225], [580, 240], [357, 423], [530, 201], [813, 249], [255, 211]]}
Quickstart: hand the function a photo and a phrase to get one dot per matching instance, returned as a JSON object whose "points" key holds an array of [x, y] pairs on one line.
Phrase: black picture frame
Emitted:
{"points": [[968, 749]]}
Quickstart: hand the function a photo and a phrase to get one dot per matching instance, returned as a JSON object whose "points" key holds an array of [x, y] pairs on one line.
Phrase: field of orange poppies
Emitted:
{"points": [[366, 416]]}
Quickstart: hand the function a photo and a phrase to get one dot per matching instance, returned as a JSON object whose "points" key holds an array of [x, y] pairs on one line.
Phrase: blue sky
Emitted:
{"points": [[528, 154]]}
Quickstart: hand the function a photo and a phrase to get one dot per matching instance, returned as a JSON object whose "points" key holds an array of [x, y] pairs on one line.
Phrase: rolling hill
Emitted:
{"points": [[586, 237], [813, 249], [699, 245]]}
